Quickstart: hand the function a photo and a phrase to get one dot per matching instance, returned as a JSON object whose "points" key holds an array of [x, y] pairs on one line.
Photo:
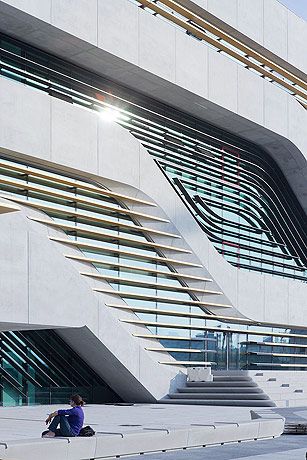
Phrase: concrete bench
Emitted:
{"points": [[141, 440]]}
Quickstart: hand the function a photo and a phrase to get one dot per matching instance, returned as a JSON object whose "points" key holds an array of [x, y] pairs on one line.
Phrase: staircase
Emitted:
{"points": [[226, 389]]}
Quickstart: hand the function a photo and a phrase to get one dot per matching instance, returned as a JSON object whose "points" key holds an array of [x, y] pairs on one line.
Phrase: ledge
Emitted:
{"points": [[137, 435]]}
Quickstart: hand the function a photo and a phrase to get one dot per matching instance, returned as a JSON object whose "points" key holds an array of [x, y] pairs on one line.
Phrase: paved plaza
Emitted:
{"points": [[28, 422], [290, 447], [285, 447], [24, 425]]}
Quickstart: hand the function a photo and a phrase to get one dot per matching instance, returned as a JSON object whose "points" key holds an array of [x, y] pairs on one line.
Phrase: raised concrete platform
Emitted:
{"points": [[126, 430], [286, 447]]}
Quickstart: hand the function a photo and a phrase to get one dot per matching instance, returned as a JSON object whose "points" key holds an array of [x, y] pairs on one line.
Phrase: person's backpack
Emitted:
{"points": [[86, 432]]}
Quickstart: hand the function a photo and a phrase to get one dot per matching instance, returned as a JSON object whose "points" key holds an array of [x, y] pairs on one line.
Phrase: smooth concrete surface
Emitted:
{"points": [[121, 54], [40, 288], [267, 22], [286, 447], [249, 22], [136, 174], [285, 388], [122, 430]]}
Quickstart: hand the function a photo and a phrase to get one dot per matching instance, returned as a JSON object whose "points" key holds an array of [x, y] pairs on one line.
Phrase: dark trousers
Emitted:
{"points": [[64, 429]]}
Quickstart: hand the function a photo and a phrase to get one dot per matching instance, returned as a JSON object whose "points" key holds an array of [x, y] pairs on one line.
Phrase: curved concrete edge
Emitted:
{"points": [[41, 289], [145, 440], [253, 295], [176, 69], [92, 153]]}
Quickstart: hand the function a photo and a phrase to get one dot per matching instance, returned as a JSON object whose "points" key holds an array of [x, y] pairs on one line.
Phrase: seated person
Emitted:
{"points": [[70, 420]]}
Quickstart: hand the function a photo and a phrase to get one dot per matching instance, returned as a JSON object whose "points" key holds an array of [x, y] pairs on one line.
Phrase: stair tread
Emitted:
{"points": [[226, 378], [229, 396], [221, 384], [221, 402], [235, 389], [256, 395], [213, 389]]}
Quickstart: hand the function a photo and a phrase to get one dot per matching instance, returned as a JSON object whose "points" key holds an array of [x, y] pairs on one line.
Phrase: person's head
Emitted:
{"points": [[76, 400]]}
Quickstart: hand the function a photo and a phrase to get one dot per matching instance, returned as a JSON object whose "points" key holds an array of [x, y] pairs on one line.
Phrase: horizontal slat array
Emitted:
{"points": [[212, 328], [284, 355], [79, 215], [180, 350], [132, 295], [277, 344], [104, 236], [173, 147], [251, 59], [134, 268], [88, 223], [171, 141], [278, 365], [174, 337], [123, 253], [69, 182], [71, 197], [188, 363], [149, 284], [158, 311]]}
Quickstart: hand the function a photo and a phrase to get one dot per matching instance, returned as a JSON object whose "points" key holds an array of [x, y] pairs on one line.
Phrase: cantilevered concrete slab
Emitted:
{"points": [[123, 430]]}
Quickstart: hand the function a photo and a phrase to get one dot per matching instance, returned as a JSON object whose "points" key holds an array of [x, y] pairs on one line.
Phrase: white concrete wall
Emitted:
{"points": [[129, 45], [40, 288], [258, 296], [285, 388], [262, 24], [267, 22], [48, 131]]}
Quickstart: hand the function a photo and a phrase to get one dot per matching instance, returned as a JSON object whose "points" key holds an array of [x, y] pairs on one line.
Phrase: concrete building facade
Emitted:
{"points": [[152, 195]]}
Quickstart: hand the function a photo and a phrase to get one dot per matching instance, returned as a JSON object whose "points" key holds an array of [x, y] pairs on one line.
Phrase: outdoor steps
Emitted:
{"points": [[227, 396], [233, 389], [220, 402], [223, 384], [240, 375], [218, 389]]}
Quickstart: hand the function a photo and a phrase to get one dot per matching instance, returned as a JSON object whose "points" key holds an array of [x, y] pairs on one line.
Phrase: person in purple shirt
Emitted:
{"points": [[70, 420]]}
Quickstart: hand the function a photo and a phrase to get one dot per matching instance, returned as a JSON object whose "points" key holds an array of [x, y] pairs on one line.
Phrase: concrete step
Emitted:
{"points": [[220, 402], [232, 378], [223, 384], [230, 372], [215, 389], [226, 397]]}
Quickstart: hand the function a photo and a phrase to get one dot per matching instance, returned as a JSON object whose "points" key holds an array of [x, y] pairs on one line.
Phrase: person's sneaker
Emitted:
{"points": [[49, 434]]}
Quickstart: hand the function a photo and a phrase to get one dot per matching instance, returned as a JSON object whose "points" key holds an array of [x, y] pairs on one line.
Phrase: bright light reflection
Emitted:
{"points": [[110, 114]]}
